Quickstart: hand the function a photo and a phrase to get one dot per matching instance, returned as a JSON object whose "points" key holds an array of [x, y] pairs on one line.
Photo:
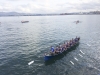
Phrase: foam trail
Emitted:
{"points": [[82, 52], [31, 62], [88, 44], [40, 64], [76, 59], [96, 68], [80, 55], [71, 62]]}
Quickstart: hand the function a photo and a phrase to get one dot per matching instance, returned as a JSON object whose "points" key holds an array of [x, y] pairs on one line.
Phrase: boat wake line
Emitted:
{"points": [[89, 65]]}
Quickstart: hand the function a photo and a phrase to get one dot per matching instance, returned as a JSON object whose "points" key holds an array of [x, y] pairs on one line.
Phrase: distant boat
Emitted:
{"points": [[77, 21], [24, 21]]}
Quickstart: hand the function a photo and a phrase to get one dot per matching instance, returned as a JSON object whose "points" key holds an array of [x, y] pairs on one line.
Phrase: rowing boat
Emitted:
{"points": [[24, 21], [49, 56]]}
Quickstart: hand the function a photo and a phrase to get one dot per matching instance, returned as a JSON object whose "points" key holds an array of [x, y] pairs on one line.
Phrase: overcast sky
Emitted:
{"points": [[49, 6]]}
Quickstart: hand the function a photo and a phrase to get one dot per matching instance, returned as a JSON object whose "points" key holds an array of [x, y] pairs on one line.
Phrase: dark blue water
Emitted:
{"points": [[23, 43]]}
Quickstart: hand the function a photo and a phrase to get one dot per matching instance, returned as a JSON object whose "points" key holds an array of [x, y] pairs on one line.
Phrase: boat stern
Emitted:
{"points": [[48, 57]]}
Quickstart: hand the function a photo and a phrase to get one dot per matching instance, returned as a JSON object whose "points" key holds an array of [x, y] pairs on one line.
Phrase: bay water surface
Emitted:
{"points": [[21, 43]]}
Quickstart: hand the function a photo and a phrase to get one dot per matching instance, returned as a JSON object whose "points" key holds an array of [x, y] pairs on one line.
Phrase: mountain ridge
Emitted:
{"points": [[32, 14]]}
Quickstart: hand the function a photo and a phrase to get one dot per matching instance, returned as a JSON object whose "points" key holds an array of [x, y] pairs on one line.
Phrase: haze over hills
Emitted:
{"points": [[31, 14], [11, 14]]}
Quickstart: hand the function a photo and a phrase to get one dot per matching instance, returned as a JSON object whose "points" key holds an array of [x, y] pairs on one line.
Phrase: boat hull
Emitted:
{"points": [[47, 58], [24, 21]]}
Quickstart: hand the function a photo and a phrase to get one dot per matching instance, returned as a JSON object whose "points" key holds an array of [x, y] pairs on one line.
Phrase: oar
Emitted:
{"points": [[31, 62]]}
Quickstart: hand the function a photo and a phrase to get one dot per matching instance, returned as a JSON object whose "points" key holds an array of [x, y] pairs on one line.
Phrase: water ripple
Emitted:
{"points": [[23, 43]]}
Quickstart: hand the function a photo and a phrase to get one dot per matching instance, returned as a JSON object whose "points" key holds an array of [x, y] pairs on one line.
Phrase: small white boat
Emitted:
{"points": [[24, 21]]}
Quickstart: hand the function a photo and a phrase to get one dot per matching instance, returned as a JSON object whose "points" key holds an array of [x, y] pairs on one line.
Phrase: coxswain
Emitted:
{"points": [[52, 48]]}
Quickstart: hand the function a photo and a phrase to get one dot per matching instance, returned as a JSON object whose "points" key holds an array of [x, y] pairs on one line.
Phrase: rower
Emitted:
{"points": [[56, 51], [78, 38], [52, 48]]}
